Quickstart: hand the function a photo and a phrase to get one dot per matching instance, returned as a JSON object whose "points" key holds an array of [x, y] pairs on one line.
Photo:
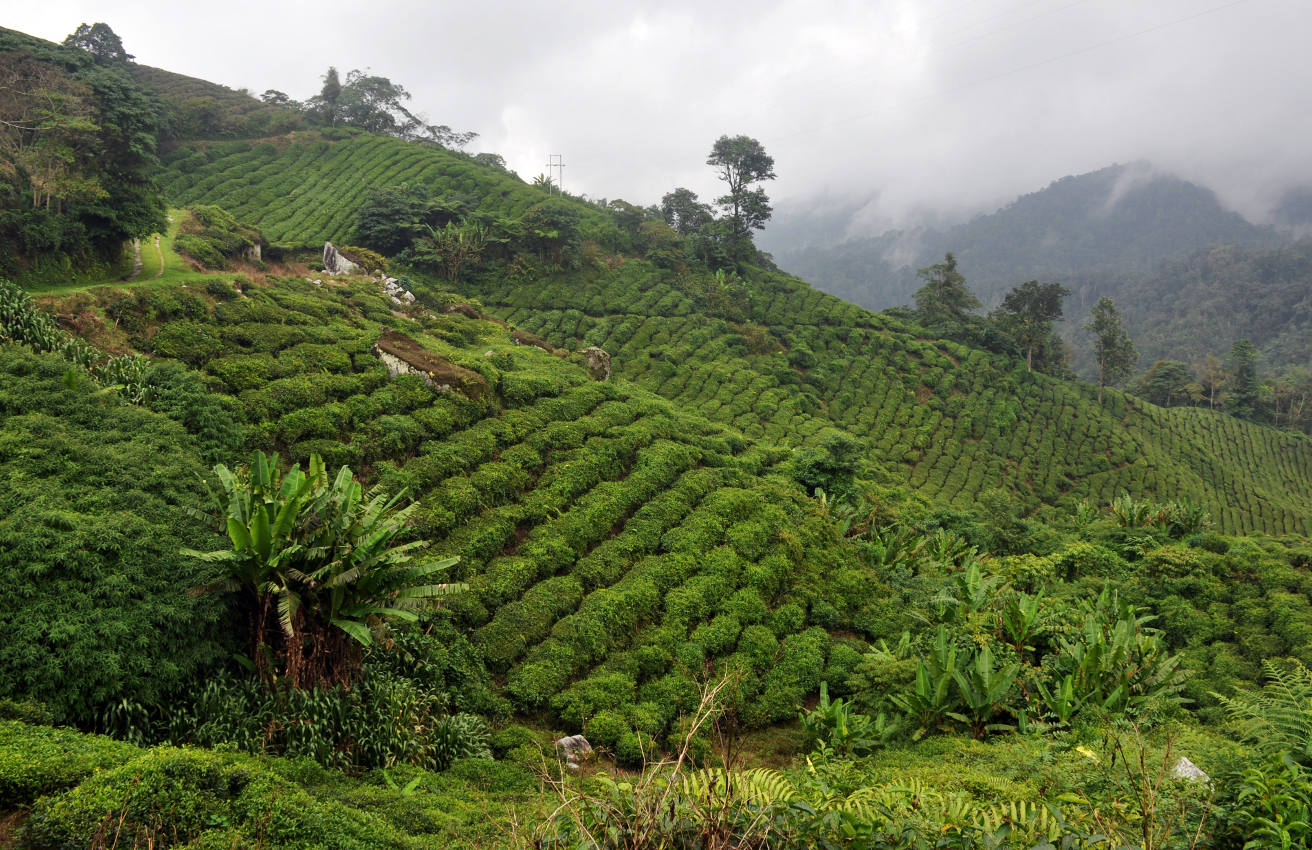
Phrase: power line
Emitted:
{"points": [[557, 161]]}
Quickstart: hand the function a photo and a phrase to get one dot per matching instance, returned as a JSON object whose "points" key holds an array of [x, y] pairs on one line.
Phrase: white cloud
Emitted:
{"points": [[940, 105]]}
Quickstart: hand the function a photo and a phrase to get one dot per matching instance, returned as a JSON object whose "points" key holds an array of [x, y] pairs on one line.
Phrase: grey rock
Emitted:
{"points": [[334, 263], [597, 362], [1188, 771], [574, 748]]}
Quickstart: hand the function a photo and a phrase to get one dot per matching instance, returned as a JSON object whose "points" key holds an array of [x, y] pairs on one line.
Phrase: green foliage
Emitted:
{"points": [[1116, 661], [384, 721], [836, 728], [312, 560], [1279, 717], [1243, 398], [95, 791], [1276, 797], [22, 322], [213, 238], [1112, 348], [392, 218], [40, 760], [1027, 313], [345, 195], [89, 533], [947, 422], [80, 136], [944, 300], [741, 161]]}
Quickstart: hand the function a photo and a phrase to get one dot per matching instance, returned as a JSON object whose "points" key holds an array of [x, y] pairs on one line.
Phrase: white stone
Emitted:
{"points": [[1187, 770], [334, 263], [573, 748]]}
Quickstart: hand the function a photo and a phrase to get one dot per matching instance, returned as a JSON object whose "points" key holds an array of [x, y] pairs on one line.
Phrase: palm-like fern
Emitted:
{"points": [[1279, 717]]}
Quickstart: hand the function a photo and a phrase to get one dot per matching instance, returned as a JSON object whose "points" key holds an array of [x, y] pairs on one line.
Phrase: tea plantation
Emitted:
{"points": [[303, 560]]}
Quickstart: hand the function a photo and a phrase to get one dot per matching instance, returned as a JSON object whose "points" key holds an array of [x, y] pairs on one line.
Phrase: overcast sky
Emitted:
{"points": [[930, 105]]}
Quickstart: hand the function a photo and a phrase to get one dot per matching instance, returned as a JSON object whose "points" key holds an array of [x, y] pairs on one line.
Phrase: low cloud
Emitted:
{"points": [[908, 107]]}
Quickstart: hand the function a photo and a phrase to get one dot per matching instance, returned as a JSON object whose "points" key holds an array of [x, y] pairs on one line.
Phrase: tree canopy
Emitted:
{"points": [[77, 154], [741, 161], [1027, 314], [375, 104], [684, 212], [1111, 344], [101, 42], [944, 299]]}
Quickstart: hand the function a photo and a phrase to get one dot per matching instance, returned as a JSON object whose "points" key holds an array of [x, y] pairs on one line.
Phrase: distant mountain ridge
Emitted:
{"points": [[1117, 221]]}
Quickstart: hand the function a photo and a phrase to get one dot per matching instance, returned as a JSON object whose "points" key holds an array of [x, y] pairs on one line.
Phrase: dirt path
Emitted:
{"points": [[159, 250], [136, 259]]}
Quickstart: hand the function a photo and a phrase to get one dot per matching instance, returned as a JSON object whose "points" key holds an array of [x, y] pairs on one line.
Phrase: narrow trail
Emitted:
{"points": [[136, 259], [160, 251]]}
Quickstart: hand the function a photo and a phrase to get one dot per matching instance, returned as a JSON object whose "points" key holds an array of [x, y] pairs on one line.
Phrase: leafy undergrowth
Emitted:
{"points": [[68, 789]]}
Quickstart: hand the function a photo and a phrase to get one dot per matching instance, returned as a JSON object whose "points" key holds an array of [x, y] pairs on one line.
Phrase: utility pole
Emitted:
{"points": [[557, 161]]}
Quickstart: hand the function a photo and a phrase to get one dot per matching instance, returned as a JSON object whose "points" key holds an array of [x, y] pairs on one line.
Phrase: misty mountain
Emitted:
{"points": [[1109, 225]]}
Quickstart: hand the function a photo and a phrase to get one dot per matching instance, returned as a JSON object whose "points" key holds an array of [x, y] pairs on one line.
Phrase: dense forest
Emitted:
{"points": [[345, 548]]}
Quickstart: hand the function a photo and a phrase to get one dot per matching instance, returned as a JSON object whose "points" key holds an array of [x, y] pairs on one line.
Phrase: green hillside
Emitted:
{"points": [[340, 559], [307, 187], [200, 109], [952, 422], [599, 526]]}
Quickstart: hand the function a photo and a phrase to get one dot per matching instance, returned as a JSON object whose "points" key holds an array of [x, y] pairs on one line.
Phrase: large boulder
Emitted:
{"points": [[334, 263], [404, 356], [597, 362], [573, 749]]}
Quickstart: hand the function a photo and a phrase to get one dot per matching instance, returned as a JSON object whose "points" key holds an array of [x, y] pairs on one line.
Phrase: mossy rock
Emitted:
{"points": [[436, 371]]}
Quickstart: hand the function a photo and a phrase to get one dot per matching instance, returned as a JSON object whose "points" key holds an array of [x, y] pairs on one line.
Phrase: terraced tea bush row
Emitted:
{"points": [[950, 421], [594, 521], [305, 189]]}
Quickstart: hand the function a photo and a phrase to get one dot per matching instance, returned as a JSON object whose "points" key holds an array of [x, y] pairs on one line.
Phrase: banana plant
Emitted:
{"points": [[971, 592], [892, 545], [983, 690], [932, 698], [1058, 702], [1116, 660], [836, 726], [317, 553], [1020, 621]]}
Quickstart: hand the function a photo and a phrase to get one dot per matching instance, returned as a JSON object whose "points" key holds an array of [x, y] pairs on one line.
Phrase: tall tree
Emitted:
{"points": [[1245, 397], [377, 105], [683, 212], [101, 42], [1166, 383], [741, 161], [325, 103], [1111, 344], [1211, 380], [1027, 314], [944, 300], [1290, 393]]}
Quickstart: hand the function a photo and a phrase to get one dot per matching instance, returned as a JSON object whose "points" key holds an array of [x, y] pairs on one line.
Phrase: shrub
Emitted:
{"points": [[37, 760]]}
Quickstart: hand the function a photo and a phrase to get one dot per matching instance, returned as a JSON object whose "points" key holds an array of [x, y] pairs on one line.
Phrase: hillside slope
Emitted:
{"points": [[781, 362], [1201, 305], [306, 187], [954, 422], [604, 531], [201, 109]]}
